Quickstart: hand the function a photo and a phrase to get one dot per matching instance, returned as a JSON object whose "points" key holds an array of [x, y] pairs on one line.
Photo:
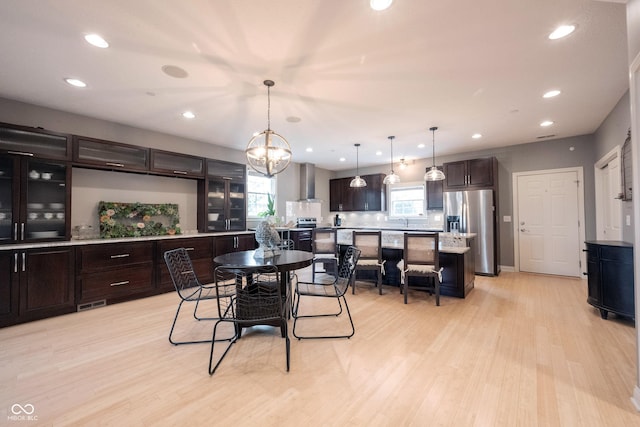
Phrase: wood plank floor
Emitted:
{"points": [[520, 350]]}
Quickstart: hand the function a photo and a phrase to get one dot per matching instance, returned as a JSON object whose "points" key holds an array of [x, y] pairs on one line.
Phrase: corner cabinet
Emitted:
{"points": [[344, 198], [470, 174], [610, 277], [222, 204]]}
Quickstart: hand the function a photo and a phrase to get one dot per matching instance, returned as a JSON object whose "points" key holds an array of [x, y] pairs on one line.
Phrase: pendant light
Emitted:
{"points": [[392, 178], [267, 152], [357, 182], [434, 174]]}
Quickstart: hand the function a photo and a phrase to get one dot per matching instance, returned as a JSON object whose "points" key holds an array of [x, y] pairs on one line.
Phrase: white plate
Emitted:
{"points": [[56, 205], [35, 205]]}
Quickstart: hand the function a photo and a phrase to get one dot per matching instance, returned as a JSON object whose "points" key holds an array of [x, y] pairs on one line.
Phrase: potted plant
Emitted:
{"points": [[270, 212]]}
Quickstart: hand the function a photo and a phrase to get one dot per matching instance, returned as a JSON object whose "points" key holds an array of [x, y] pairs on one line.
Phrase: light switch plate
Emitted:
{"points": [[506, 218]]}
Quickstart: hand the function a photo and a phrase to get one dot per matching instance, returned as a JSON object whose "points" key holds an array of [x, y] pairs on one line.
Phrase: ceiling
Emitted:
{"points": [[343, 73]]}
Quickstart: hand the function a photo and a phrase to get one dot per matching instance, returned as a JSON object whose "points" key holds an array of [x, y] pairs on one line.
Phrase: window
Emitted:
{"points": [[407, 200], [258, 189]]}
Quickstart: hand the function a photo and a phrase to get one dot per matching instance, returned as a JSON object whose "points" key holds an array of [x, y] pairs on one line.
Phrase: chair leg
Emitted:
{"points": [[436, 284], [405, 288], [212, 368], [380, 281], [296, 317]]}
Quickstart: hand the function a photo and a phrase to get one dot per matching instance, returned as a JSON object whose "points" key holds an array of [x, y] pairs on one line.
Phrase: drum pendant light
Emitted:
{"points": [[357, 182], [267, 152], [434, 174], [392, 178]]}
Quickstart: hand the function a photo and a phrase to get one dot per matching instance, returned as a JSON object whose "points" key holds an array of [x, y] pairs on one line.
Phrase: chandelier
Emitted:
{"points": [[434, 174], [268, 153], [357, 182], [392, 178]]}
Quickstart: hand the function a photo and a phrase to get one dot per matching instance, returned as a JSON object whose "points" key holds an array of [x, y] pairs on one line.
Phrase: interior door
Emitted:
{"points": [[608, 205], [549, 223]]}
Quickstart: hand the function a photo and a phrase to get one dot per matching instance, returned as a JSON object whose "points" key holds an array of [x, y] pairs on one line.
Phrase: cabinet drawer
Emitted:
{"points": [[101, 257], [611, 253], [196, 248], [202, 267], [109, 284]]}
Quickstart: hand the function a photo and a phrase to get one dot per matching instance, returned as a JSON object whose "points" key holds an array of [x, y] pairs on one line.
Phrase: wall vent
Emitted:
{"points": [[91, 305]]}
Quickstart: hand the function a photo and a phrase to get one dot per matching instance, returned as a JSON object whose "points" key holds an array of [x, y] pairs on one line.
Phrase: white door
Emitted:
{"points": [[548, 227], [608, 203]]}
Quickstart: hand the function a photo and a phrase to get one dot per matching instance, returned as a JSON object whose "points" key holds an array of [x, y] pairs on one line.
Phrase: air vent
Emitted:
{"points": [[91, 305], [545, 136]]}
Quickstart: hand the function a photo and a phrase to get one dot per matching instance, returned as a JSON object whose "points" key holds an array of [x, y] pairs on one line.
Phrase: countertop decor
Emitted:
{"points": [[119, 219]]}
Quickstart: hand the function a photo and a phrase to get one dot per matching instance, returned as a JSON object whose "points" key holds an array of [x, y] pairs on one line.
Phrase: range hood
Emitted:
{"points": [[308, 183]]}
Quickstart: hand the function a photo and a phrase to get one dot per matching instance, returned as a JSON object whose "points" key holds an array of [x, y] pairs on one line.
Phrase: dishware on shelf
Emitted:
{"points": [[56, 205], [48, 215], [60, 215], [34, 174], [43, 234], [33, 215], [35, 205], [213, 216], [3, 215], [46, 175]]}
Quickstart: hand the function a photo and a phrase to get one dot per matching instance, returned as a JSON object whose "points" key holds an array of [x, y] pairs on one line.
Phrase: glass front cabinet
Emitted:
{"points": [[223, 207]]}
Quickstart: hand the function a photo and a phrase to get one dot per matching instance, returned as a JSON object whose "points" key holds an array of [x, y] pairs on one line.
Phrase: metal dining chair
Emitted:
{"points": [[421, 259]]}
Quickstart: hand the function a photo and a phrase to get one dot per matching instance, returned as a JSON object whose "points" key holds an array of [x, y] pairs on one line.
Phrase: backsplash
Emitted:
{"points": [[432, 219]]}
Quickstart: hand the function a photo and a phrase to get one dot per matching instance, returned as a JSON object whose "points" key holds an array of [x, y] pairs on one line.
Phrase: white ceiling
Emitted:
{"points": [[348, 73]]}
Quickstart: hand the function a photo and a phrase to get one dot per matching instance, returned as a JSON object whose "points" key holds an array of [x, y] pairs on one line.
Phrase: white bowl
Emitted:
{"points": [[33, 215], [56, 205], [48, 215], [213, 216], [46, 175]]}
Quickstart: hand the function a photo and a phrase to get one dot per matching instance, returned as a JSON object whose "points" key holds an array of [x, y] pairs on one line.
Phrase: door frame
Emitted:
{"points": [[516, 215], [616, 152]]}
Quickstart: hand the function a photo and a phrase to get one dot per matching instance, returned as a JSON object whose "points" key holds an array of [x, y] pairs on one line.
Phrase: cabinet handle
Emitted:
{"points": [[22, 231], [119, 256], [21, 153], [15, 230], [24, 262], [124, 282], [15, 262], [180, 172], [120, 165], [189, 249]]}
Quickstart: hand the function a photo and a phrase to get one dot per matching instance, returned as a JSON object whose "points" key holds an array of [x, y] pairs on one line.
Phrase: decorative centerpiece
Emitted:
{"points": [[119, 219], [268, 240]]}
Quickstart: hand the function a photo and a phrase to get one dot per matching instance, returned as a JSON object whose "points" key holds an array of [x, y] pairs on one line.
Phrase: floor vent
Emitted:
{"points": [[90, 305]]}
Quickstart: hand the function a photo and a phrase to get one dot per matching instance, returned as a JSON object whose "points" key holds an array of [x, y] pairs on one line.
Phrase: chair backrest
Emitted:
{"points": [[421, 249], [257, 293], [324, 241], [287, 244], [369, 243], [181, 270], [347, 269]]}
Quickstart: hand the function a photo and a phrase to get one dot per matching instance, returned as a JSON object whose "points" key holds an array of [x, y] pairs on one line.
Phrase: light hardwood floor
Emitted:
{"points": [[520, 350]]}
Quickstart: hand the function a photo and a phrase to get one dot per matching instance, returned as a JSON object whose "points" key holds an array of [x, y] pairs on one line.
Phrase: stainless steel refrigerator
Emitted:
{"points": [[474, 211]]}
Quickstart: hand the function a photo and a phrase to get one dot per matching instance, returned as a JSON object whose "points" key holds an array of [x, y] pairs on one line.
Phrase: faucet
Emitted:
{"points": [[406, 222]]}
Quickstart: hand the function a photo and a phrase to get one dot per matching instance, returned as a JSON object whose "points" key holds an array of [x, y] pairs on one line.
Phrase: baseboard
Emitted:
{"points": [[635, 399], [507, 268]]}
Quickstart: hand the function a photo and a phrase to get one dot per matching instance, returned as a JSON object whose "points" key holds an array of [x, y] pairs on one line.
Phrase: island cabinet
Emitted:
{"points": [[222, 202], [200, 250], [458, 273], [113, 272], [36, 284], [100, 154], [301, 239], [344, 198], [610, 277], [470, 174]]}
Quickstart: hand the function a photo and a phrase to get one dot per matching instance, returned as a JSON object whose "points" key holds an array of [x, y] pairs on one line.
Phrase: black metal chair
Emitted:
{"points": [[324, 243], [335, 289], [421, 258], [188, 287], [370, 244], [257, 300]]}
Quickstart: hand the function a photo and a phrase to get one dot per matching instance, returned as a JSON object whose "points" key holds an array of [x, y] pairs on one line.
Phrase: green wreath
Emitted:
{"points": [[137, 219]]}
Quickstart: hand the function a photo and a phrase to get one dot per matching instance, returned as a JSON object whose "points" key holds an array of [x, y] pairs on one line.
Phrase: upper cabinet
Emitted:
{"points": [[169, 163], [222, 204], [435, 200], [471, 174], [34, 142], [110, 155], [344, 198]]}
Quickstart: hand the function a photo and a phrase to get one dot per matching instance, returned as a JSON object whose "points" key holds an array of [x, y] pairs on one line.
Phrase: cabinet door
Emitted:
{"points": [[176, 164], [335, 195], [46, 283], [32, 142], [375, 193], [110, 155], [480, 173], [200, 250], [9, 296], [593, 275], [434, 194], [455, 175], [9, 199], [237, 206], [224, 245]]}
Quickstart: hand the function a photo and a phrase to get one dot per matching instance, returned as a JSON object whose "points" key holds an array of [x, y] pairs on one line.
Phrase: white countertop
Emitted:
{"points": [[394, 239]]}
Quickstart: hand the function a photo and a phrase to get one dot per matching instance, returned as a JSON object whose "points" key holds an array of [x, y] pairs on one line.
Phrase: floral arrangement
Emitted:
{"points": [[137, 219]]}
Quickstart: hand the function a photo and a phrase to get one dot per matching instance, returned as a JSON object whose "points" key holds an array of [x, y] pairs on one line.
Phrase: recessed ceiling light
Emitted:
{"points": [[309, 150], [546, 123], [342, 159], [96, 41], [476, 136], [551, 93], [75, 82], [188, 115], [378, 153], [420, 145], [562, 31], [380, 4]]}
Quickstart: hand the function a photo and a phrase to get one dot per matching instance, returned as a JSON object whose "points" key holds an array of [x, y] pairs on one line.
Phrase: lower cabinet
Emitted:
{"points": [[35, 284], [233, 243], [458, 273], [114, 272], [301, 240], [610, 277], [200, 250]]}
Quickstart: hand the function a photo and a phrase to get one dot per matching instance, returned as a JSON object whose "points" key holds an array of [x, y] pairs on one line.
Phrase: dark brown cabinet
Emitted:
{"points": [[175, 164], [114, 272], [233, 243], [470, 174], [222, 202], [344, 198], [610, 277], [200, 250], [110, 155], [34, 199], [37, 283], [34, 142], [301, 239], [435, 199]]}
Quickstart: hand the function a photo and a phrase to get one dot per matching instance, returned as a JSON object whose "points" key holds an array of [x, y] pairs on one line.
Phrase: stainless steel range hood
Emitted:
{"points": [[308, 183]]}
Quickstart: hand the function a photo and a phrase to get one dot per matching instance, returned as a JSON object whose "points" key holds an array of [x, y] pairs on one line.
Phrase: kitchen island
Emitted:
{"points": [[456, 255]]}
